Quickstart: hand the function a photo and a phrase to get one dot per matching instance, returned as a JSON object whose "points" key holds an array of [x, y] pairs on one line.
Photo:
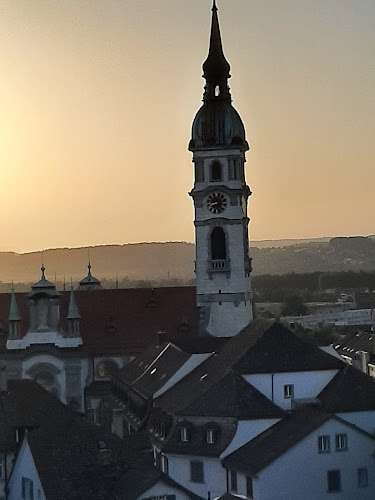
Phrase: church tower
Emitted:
{"points": [[220, 197]]}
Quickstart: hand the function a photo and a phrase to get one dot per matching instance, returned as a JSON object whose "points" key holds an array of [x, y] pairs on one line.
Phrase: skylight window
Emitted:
{"points": [[153, 371], [203, 376]]}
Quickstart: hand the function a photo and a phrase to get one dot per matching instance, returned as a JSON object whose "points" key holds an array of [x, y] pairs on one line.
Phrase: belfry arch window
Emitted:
{"points": [[218, 244], [216, 171]]}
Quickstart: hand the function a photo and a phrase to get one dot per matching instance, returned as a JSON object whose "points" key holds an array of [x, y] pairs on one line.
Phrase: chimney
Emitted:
{"points": [[3, 378], [160, 338]]}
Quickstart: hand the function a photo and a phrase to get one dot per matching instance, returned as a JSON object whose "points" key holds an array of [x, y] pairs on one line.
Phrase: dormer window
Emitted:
{"points": [[183, 434], [217, 91], [210, 436], [216, 171]]}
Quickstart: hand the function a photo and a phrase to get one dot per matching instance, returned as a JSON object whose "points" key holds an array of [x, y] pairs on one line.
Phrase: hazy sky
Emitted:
{"points": [[97, 99]]}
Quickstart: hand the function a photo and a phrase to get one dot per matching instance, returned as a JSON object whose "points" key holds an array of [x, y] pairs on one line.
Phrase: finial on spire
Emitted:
{"points": [[216, 68], [43, 275], [89, 268]]}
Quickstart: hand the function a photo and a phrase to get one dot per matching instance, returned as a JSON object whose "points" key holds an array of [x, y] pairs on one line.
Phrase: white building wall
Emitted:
{"points": [[246, 431], [215, 482], [24, 467], [306, 384], [363, 419], [301, 473]]}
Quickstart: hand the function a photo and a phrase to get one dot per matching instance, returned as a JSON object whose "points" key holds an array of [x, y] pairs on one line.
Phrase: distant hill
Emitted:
{"points": [[173, 262]]}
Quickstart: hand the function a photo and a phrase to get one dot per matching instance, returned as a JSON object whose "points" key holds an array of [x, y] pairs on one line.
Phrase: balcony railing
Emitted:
{"points": [[219, 266]]}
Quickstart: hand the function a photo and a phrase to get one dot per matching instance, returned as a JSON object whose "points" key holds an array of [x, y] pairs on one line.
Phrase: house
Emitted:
{"points": [[245, 418], [357, 348]]}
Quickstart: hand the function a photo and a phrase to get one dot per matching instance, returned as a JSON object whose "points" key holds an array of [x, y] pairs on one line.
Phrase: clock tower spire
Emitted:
{"points": [[220, 196]]}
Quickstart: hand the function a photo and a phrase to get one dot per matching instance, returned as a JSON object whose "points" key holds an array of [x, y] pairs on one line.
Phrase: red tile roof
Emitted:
{"points": [[121, 320]]}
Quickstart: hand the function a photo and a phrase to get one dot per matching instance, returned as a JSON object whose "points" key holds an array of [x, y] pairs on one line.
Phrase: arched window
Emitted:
{"points": [[218, 246], [216, 174]]}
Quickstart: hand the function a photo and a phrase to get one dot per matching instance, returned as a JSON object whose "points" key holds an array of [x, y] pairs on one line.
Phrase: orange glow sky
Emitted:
{"points": [[97, 99]]}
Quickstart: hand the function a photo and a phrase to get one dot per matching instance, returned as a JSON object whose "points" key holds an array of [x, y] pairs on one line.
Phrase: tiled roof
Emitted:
{"points": [[71, 463], [349, 390], [279, 350], [137, 481], [356, 341], [121, 320], [241, 400], [275, 441], [211, 371], [261, 347]]}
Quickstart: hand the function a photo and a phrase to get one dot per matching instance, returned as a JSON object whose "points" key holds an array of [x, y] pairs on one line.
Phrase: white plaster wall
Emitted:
{"points": [[301, 473], [363, 419], [24, 467], [306, 384], [227, 319], [246, 431], [161, 489], [215, 482]]}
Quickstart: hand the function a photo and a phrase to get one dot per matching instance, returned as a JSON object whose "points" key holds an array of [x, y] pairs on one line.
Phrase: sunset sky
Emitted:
{"points": [[97, 99]]}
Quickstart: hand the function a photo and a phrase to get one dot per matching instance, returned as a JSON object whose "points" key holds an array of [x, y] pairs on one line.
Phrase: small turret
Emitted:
{"points": [[73, 316], [14, 318], [89, 282]]}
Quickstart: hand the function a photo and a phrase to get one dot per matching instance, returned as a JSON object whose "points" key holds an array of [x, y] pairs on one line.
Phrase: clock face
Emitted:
{"points": [[216, 203]]}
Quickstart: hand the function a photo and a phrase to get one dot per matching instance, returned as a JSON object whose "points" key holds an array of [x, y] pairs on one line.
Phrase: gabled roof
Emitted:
{"points": [[350, 390], [119, 321], [211, 371], [279, 350], [75, 459], [261, 347], [275, 441], [232, 396], [136, 481]]}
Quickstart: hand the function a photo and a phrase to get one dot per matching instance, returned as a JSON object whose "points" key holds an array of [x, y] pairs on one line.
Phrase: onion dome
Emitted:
{"points": [[217, 123]]}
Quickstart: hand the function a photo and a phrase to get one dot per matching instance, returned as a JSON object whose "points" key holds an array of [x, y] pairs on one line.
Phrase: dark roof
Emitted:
{"points": [[138, 480], [149, 372], [279, 350], [275, 441], [211, 371], [121, 320], [349, 390], [261, 347], [356, 341], [71, 463], [241, 400]]}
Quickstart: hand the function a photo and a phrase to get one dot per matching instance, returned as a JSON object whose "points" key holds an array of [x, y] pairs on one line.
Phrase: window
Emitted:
{"points": [[196, 472], [163, 431], [233, 480], [184, 434], [324, 444], [333, 481], [164, 464], [210, 436], [341, 442], [362, 477], [216, 171], [27, 489], [218, 245], [289, 391], [249, 486]]}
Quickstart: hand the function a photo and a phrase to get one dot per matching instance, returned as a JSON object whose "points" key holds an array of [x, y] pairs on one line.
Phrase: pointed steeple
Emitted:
{"points": [[216, 68], [14, 314], [73, 309]]}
